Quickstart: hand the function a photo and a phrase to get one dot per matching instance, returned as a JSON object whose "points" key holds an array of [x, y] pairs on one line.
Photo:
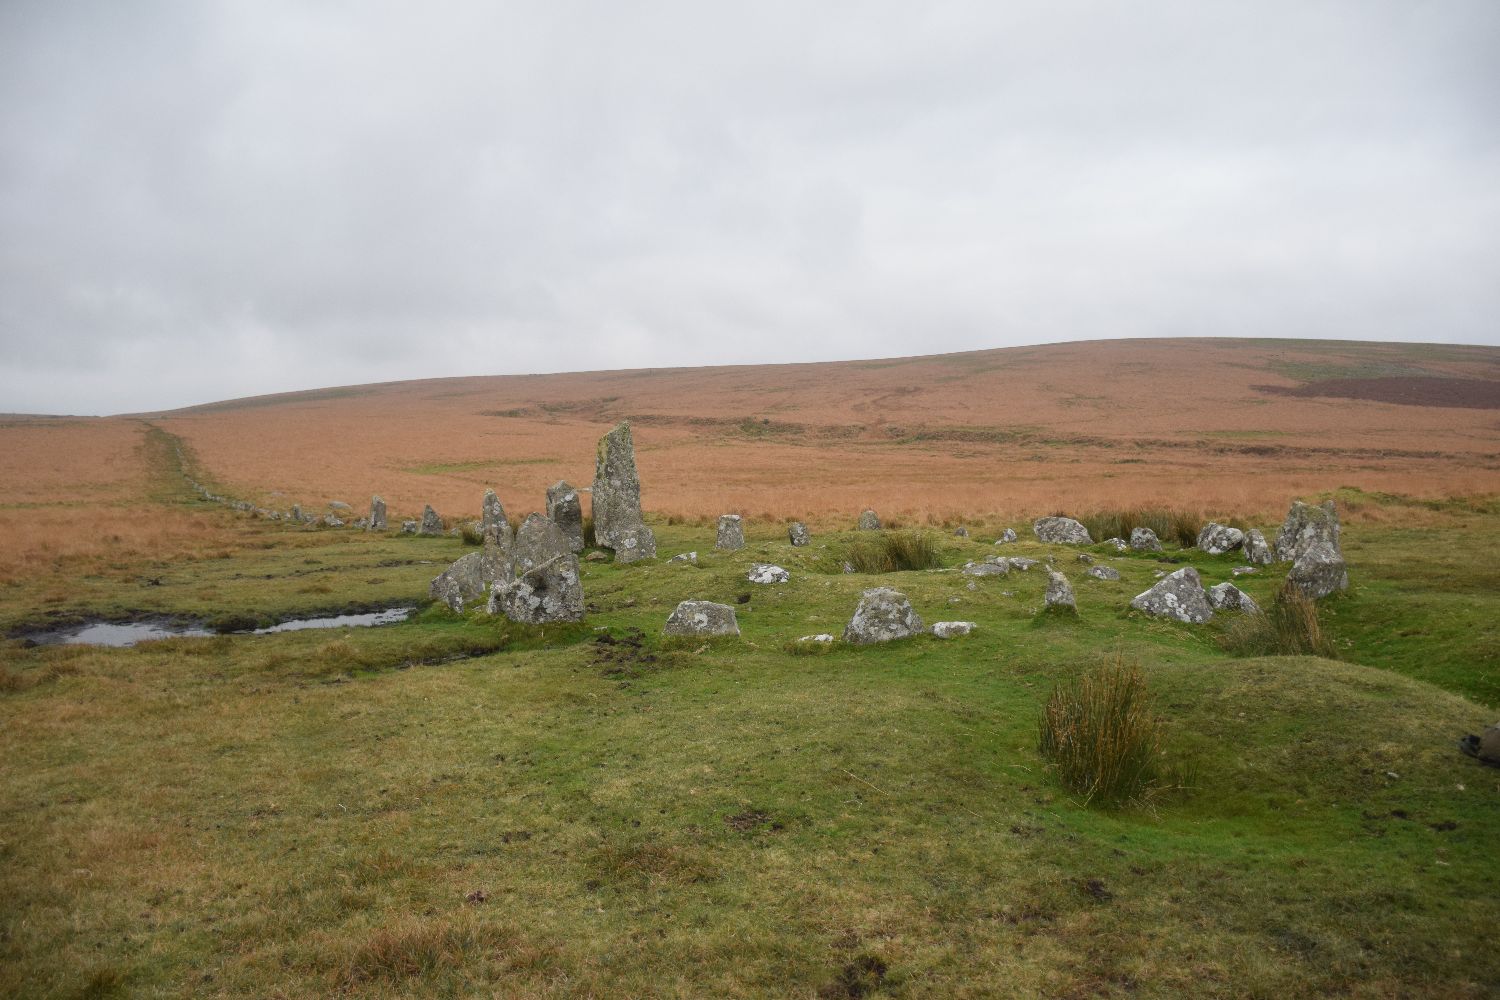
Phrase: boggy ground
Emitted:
{"points": [[455, 806]]}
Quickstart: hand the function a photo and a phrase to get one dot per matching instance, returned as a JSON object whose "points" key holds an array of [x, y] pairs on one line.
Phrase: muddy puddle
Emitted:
{"points": [[130, 633]]}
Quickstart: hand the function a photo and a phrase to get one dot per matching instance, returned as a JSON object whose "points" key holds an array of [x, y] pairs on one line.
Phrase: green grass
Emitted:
{"points": [[1289, 626], [454, 806], [1171, 526]]}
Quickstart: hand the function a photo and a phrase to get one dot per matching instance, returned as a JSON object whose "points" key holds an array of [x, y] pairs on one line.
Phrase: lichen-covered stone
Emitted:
{"points": [[767, 573], [731, 536], [1059, 594], [566, 511], [797, 534], [1006, 537], [1144, 540], [998, 568], [1021, 563], [883, 614], [1178, 595], [1061, 531], [1299, 516], [494, 526], [541, 581], [431, 523], [960, 532], [952, 630], [1227, 597], [377, 514], [690, 558], [1119, 543], [702, 618], [869, 521], [1319, 569], [408, 527], [1104, 573], [616, 494], [1217, 539], [460, 583], [1257, 549]]}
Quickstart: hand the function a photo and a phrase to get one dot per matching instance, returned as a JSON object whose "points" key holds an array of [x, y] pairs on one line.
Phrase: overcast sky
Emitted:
{"points": [[201, 200]]}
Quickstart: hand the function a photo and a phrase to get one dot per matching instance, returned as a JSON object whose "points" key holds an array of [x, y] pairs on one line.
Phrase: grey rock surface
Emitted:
{"points": [[702, 618], [952, 630], [767, 573], [1104, 573], [566, 511], [1217, 539], [685, 557], [1319, 569], [1061, 531], [1178, 595], [1119, 543], [960, 532], [408, 527], [868, 521], [494, 526], [997, 568], [540, 583], [1298, 517], [1257, 550], [1007, 536], [1227, 597], [460, 583], [1021, 563], [883, 614], [1144, 540], [797, 534], [377, 514], [1059, 592], [431, 523], [616, 495], [731, 537]]}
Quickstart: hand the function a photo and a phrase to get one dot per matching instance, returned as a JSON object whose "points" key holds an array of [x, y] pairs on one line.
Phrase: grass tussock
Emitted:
{"points": [[1180, 526], [1288, 626], [893, 552], [418, 948], [471, 535], [1102, 736]]}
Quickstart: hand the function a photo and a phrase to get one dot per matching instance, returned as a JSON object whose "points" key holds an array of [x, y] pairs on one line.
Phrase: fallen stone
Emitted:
{"points": [[731, 533], [952, 630], [566, 511], [1217, 539], [1007, 536], [1021, 563], [1257, 549], [1144, 540], [540, 584], [1228, 597], [883, 614], [822, 638], [1000, 568], [868, 521], [1178, 595], [1243, 570], [377, 513], [685, 557], [798, 534], [1061, 531], [702, 618], [1104, 573], [461, 582], [431, 523], [618, 523], [767, 573], [332, 522], [597, 557], [1059, 594], [1119, 543], [1085, 558]]}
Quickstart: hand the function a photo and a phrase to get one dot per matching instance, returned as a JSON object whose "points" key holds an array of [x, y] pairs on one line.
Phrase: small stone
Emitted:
{"points": [[868, 521], [1085, 558], [1217, 539], [1144, 540], [986, 569], [883, 614], [1243, 570], [566, 511], [685, 557], [1061, 531], [1021, 563], [596, 557], [1179, 595], [332, 522], [961, 532], [1119, 543], [1104, 573], [952, 630], [408, 527], [797, 534], [1059, 592], [431, 523], [1228, 597], [702, 618], [731, 533], [1006, 537], [822, 638], [767, 573]]}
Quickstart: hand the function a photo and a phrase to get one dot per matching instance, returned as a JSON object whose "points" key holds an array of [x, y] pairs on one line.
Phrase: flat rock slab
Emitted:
{"points": [[767, 573], [952, 630], [1104, 573], [986, 568], [702, 618]]}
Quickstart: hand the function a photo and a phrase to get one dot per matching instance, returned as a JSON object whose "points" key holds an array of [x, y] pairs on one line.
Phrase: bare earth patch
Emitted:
{"points": [[1462, 393]]}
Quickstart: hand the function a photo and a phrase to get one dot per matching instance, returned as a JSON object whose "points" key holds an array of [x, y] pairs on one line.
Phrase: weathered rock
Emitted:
{"points": [[1007, 536], [460, 583], [1486, 746], [883, 614], [1061, 531], [332, 522], [797, 534], [959, 532], [1228, 597], [1217, 539], [822, 639], [1059, 594], [731, 533], [377, 514], [1257, 549], [566, 511], [1119, 543], [869, 521], [1178, 595], [338, 505], [431, 523], [1000, 568], [408, 527], [767, 573], [1319, 569], [616, 494], [952, 630], [1243, 570], [1144, 540], [494, 526], [541, 582], [1021, 563], [685, 557], [702, 618], [1085, 558], [1300, 516], [1104, 573]]}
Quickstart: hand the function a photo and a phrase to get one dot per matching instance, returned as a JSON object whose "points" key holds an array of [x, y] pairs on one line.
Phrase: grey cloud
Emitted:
{"points": [[206, 200]]}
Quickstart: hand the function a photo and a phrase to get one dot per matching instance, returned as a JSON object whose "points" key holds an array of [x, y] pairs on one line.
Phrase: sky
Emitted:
{"points": [[201, 200]]}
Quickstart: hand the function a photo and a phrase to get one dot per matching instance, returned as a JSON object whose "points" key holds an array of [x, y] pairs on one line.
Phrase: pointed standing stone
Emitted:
{"points": [[541, 583], [565, 510], [431, 523], [494, 527], [617, 499], [868, 521]]}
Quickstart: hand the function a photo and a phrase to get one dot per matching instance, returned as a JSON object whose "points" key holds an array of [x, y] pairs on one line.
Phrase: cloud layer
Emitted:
{"points": [[206, 200]]}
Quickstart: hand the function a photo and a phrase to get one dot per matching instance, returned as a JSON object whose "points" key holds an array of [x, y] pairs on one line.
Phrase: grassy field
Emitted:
{"points": [[458, 806]]}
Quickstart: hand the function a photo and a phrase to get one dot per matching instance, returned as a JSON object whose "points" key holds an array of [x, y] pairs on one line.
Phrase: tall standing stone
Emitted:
{"points": [[617, 499], [1257, 549], [431, 523], [1298, 517], [1059, 596], [566, 511], [731, 533], [494, 526], [541, 582], [377, 514], [797, 534]]}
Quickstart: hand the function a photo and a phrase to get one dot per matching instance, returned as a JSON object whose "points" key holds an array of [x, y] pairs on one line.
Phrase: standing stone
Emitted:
{"points": [[868, 521], [702, 618], [798, 534], [377, 514], [617, 499], [494, 526], [1319, 568], [1298, 517], [1062, 531], [1227, 597], [566, 511], [431, 523], [1217, 539], [1144, 540], [1178, 595], [883, 614], [1059, 595], [461, 582], [540, 583], [1257, 549], [731, 533], [1006, 537]]}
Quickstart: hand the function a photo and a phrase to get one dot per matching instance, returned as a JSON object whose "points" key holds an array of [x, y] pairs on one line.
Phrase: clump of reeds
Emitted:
{"points": [[1101, 734], [1170, 525], [893, 552], [1289, 626]]}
